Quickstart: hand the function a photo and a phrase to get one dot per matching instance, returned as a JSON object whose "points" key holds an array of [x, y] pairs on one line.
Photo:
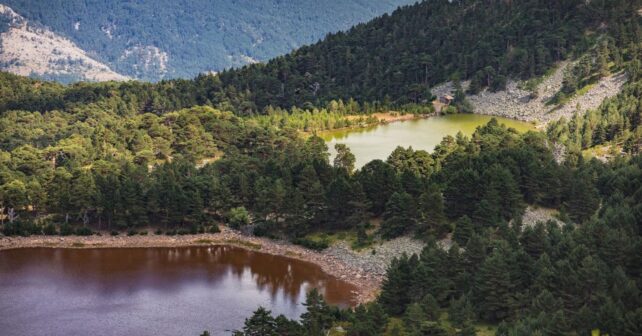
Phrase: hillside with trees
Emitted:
{"points": [[392, 61], [182, 156], [153, 40]]}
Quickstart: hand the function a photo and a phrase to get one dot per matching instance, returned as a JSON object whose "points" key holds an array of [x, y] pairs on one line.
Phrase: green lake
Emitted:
{"points": [[378, 142]]}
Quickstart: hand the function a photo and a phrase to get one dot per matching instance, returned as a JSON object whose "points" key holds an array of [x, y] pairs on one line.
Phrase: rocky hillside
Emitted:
{"points": [[517, 103], [152, 40], [31, 50]]}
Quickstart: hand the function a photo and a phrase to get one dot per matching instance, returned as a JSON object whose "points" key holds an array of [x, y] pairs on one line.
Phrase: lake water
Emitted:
{"points": [[151, 291], [378, 142]]}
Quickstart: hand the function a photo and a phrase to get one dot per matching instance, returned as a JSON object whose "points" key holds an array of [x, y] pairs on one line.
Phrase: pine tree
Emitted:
{"points": [[582, 198], [378, 316], [338, 199], [533, 239], [318, 318], [433, 219], [312, 191], [260, 324], [463, 230], [414, 318], [461, 193], [379, 181], [475, 253], [430, 307], [394, 290], [544, 302], [287, 327], [344, 158], [460, 311], [400, 216], [494, 288], [395, 328]]}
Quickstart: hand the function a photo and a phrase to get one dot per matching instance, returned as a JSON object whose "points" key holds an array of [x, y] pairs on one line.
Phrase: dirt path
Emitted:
{"points": [[367, 283]]}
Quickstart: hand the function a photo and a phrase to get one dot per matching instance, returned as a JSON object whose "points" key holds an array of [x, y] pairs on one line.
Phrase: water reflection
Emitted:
{"points": [[143, 289]]}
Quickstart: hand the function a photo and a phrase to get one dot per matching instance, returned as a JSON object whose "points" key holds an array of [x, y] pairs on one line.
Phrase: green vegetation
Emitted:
{"points": [[505, 280], [386, 63], [126, 156], [597, 63], [197, 35], [615, 122]]}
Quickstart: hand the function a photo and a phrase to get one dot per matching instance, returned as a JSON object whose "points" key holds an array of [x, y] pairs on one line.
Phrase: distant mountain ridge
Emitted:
{"points": [[153, 40], [32, 50]]}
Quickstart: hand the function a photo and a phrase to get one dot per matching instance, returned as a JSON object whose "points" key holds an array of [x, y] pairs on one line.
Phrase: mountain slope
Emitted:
{"points": [[30, 50], [396, 58], [152, 40]]}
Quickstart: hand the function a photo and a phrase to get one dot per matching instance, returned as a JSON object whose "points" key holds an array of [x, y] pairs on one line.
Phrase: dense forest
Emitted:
{"points": [[182, 156], [152, 40], [388, 62], [87, 169], [92, 168], [547, 279], [396, 58]]}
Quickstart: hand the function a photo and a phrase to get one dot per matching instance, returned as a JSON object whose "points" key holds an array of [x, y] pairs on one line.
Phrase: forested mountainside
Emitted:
{"points": [[137, 156], [393, 60], [152, 40], [396, 58]]}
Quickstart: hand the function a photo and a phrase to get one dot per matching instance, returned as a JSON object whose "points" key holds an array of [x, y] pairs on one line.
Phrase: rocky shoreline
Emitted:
{"points": [[364, 270]]}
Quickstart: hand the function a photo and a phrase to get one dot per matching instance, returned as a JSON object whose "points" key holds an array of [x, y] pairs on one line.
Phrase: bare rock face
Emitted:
{"points": [[27, 49], [520, 104]]}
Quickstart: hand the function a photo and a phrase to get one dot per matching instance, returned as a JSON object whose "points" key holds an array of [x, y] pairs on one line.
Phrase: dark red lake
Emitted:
{"points": [[151, 291]]}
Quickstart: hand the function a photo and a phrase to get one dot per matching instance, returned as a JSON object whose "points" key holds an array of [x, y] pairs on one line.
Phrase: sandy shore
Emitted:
{"points": [[367, 285]]}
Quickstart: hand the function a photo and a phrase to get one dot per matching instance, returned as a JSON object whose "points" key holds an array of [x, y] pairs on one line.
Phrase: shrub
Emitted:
{"points": [[132, 232], [214, 229], [311, 244], [193, 229], [114, 233], [21, 228], [265, 229], [50, 229], [158, 232], [238, 217], [143, 233], [66, 230], [84, 231], [11, 229]]}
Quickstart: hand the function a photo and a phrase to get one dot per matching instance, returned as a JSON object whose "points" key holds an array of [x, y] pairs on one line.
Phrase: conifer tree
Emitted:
{"points": [[318, 318], [261, 323], [430, 307], [399, 217], [463, 230], [431, 206], [460, 311], [494, 288]]}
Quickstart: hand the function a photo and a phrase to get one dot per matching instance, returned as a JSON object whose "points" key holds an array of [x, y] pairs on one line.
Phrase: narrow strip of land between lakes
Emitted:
{"points": [[366, 280]]}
